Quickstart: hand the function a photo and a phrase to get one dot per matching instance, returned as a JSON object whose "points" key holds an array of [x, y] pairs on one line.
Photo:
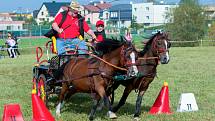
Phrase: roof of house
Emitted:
{"points": [[53, 7], [103, 5], [97, 7], [91, 8], [35, 12]]}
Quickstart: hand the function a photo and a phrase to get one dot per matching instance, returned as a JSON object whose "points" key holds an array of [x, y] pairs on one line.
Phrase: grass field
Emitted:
{"points": [[190, 70]]}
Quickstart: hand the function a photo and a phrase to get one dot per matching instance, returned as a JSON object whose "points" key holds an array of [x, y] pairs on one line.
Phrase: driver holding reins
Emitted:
{"points": [[69, 33]]}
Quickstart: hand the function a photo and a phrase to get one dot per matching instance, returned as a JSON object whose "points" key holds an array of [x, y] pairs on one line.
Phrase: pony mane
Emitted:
{"points": [[109, 45], [148, 45]]}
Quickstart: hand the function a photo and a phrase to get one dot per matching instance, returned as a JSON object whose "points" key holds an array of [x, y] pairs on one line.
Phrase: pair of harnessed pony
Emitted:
{"points": [[95, 75], [156, 50]]}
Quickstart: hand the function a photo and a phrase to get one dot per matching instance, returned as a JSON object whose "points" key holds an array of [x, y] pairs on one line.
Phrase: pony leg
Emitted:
{"points": [[110, 114], [112, 98], [102, 94], [95, 105], [123, 99], [70, 92], [138, 105], [101, 105], [110, 92], [61, 98]]}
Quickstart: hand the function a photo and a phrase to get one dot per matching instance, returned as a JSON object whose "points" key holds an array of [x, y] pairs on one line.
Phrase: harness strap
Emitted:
{"points": [[110, 64], [148, 58]]}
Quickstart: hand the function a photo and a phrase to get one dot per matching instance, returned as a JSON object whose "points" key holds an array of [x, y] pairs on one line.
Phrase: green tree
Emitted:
{"points": [[31, 21], [46, 23], [186, 22]]}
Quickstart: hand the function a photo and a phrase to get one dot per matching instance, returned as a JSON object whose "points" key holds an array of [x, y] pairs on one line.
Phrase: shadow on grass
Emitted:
{"points": [[81, 103]]}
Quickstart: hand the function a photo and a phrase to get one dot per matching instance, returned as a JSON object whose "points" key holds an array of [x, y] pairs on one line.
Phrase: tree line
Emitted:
{"points": [[187, 22]]}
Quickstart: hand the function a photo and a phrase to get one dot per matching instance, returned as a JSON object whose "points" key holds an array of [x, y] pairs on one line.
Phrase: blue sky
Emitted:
{"points": [[24, 5]]}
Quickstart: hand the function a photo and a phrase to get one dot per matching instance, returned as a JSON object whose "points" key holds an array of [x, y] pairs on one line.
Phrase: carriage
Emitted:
{"points": [[46, 72]]}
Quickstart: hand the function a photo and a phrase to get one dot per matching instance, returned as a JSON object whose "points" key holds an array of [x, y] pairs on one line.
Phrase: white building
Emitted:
{"points": [[151, 14], [6, 23], [209, 11], [120, 15], [48, 11], [96, 11]]}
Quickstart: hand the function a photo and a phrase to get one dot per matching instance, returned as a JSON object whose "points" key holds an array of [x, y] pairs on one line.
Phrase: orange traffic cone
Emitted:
{"points": [[161, 104], [12, 112], [40, 112]]}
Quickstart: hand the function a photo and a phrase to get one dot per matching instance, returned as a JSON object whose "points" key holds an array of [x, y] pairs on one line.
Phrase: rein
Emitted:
{"points": [[110, 64], [148, 58]]}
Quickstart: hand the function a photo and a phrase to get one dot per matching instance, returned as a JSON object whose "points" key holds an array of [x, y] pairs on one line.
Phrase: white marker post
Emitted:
{"points": [[187, 103]]}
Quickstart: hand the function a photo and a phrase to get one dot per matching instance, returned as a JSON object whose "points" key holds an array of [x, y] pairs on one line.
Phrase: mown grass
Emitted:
{"points": [[190, 70]]}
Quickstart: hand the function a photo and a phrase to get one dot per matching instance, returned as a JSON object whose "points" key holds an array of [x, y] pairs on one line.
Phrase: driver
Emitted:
{"points": [[69, 33]]}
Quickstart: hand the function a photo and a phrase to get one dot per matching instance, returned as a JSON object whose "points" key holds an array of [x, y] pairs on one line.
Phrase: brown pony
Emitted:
{"points": [[155, 50], [93, 75]]}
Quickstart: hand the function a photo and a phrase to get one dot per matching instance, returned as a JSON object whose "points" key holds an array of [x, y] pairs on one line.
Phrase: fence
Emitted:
{"points": [[193, 43], [27, 46], [29, 30]]}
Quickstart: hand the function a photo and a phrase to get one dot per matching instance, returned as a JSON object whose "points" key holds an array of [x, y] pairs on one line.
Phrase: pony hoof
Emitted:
{"points": [[111, 115], [136, 119]]}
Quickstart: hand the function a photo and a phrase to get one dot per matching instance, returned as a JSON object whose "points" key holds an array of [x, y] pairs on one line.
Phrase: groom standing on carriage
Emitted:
{"points": [[71, 31]]}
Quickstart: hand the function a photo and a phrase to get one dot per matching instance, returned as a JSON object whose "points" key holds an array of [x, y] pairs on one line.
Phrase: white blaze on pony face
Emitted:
{"points": [[134, 69], [164, 57]]}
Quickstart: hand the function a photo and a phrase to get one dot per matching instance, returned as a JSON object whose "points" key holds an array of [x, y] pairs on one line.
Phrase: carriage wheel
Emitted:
{"points": [[41, 89]]}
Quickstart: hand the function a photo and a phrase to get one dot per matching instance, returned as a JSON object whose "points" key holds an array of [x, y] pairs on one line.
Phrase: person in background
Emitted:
{"points": [[16, 40], [100, 32], [100, 36], [10, 42], [128, 35], [16, 49]]}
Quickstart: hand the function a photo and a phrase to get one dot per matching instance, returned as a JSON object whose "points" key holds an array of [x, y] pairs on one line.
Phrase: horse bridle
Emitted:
{"points": [[128, 63], [159, 50]]}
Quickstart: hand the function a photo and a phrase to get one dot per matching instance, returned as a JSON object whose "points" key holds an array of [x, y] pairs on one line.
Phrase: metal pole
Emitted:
{"points": [[40, 31], [119, 21]]}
